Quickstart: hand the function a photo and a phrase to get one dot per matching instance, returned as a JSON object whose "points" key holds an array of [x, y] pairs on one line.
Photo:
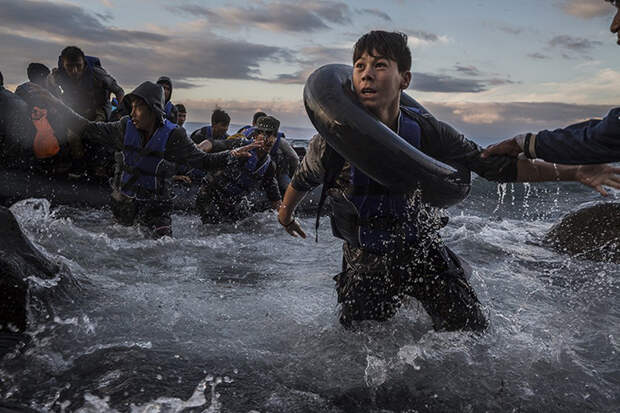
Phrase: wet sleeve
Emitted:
{"points": [[593, 141], [311, 171], [109, 82], [452, 146], [106, 133], [220, 145], [180, 149], [270, 184]]}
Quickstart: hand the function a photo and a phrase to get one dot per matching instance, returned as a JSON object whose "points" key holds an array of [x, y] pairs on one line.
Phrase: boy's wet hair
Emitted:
{"points": [[256, 116], [219, 116], [391, 45], [72, 53], [181, 108], [37, 71]]}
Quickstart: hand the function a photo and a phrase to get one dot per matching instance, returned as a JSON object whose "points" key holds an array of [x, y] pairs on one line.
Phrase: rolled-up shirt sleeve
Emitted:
{"points": [[593, 141], [311, 170]]}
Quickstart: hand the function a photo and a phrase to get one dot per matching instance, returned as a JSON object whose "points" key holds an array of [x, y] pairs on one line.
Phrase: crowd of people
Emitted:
{"points": [[392, 248], [139, 144]]}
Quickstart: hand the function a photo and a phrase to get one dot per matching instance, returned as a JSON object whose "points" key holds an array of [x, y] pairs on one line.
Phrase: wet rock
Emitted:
{"points": [[19, 259], [592, 233]]}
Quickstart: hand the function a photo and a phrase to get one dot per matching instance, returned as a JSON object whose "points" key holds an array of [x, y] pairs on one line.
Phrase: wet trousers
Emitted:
{"points": [[152, 215], [372, 287]]}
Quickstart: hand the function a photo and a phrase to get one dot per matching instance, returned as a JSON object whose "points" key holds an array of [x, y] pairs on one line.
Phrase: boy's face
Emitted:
{"points": [[167, 90], [378, 82], [74, 68], [181, 117], [141, 115], [219, 129]]}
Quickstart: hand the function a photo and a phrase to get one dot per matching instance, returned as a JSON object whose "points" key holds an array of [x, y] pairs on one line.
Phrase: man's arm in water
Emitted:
{"points": [[593, 141], [309, 175]]}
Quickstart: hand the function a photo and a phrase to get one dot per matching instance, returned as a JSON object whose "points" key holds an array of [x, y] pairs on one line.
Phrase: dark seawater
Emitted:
{"points": [[243, 319]]}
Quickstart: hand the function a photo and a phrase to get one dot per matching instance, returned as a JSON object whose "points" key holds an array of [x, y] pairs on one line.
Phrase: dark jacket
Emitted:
{"points": [[90, 96], [16, 129], [593, 141]]}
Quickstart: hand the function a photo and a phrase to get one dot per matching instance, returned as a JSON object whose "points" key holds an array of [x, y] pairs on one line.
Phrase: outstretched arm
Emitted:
{"points": [[292, 198], [590, 142], [594, 176]]}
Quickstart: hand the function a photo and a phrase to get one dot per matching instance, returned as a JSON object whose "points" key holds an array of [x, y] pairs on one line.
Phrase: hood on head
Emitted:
{"points": [[165, 79], [152, 94]]}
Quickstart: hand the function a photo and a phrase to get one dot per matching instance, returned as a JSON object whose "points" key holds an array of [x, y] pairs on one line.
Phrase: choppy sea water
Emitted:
{"points": [[243, 319]]}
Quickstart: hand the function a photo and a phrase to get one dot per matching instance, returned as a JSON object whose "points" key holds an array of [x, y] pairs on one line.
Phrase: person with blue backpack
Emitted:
{"points": [[392, 247], [86, 88]]}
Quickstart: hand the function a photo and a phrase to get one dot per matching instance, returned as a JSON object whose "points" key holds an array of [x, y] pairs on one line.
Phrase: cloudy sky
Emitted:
{"points": [[491, 68]]}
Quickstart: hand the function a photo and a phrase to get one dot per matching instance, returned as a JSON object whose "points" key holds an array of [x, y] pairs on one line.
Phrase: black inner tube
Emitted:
{"points": [[368, 144]]}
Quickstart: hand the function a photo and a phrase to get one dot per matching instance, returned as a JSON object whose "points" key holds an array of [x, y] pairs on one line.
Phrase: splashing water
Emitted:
{"points": [[250, 314]]}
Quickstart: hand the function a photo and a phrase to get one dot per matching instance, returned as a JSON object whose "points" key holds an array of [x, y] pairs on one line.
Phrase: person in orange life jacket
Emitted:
{"points": [[257, 115], [169, 107], [392, 246], [220, 121], [46, 146], [227, 195], [592, 141], [148, 149]]}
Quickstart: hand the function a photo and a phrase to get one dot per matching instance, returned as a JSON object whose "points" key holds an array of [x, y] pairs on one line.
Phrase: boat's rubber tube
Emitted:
{"points": [[359, 137], [16, 185]]}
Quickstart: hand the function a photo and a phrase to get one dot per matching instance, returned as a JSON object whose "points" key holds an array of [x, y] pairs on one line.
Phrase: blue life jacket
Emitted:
{"points": [[244, 128], [144, 168], [168, 108], [381, 211], [248, 176], [207, 131], [250, 131]]}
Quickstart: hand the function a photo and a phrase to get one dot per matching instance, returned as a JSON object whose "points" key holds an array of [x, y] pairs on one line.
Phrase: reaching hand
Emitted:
{"points": [[509, 147], [596, 176], [244, 151], [293, 228], [206, 145], [182, 178]]}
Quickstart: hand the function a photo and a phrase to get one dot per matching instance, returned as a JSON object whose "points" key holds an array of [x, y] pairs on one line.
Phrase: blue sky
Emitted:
{"points": [[490, 68]]}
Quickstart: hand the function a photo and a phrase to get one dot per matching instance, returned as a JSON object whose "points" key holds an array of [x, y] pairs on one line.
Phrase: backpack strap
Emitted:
{"points": [[333, 164]]}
